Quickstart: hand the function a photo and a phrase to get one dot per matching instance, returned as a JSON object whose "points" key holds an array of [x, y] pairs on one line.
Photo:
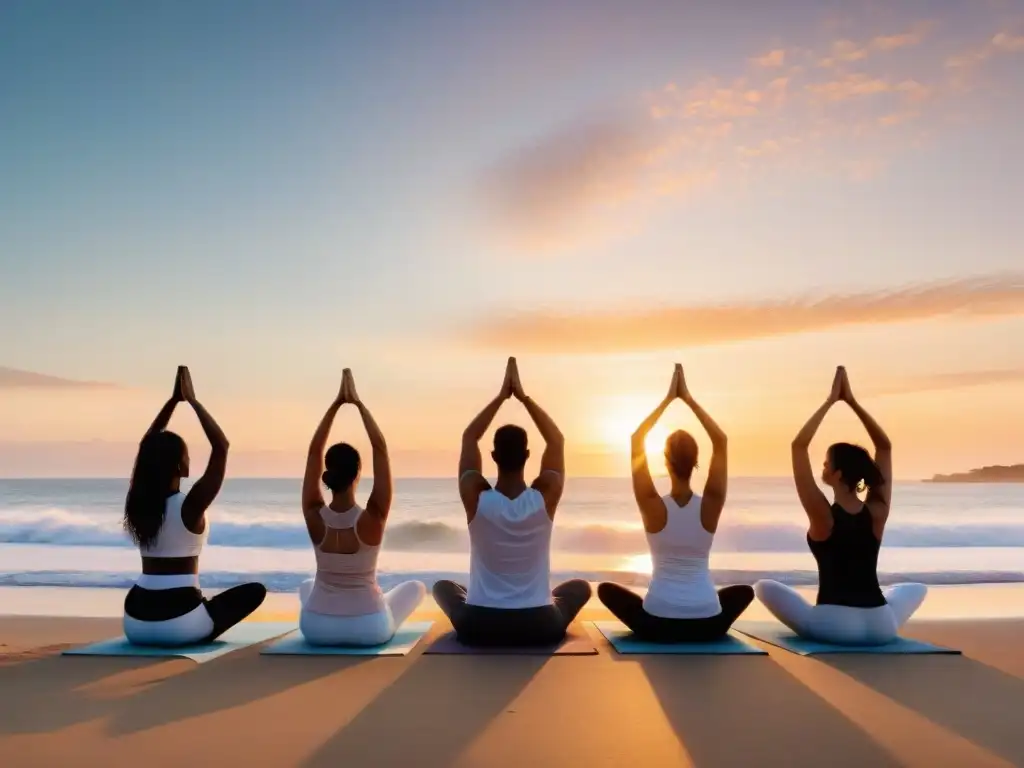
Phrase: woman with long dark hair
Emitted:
{"points": [[845, 537], [166, 606]]}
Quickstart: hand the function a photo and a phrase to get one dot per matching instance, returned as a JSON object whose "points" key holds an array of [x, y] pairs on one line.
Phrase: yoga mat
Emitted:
{"points": [[239, 636], [405, 639], [576, 643], [782, 636], [621, 638]]}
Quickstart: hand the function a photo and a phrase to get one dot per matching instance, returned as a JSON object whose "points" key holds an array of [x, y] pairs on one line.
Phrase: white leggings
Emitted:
{"points": [[368, 629], [841, 624]]}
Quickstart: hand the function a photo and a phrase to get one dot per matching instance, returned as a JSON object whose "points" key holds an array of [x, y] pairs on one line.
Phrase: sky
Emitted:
{"points": [[271, 192]]}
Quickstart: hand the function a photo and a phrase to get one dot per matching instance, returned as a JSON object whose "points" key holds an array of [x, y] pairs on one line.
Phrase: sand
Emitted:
{"points": [[604, 710]]}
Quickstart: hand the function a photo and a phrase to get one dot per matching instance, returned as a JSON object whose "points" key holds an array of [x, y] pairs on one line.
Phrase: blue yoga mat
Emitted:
{"points": [[239, 636], [405, 639], [623, 641], [781, 636]]}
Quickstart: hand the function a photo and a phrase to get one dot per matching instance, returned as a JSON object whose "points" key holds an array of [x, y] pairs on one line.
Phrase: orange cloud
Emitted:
{"points": [[693, 326], [938, 382], [914, 36], [771, 60], [13, 378], [541, 192]]}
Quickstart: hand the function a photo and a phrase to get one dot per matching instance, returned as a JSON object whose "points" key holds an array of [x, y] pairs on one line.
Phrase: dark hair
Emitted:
{"points": [[342, 465], [510, 451], [681, 453], [855, 465], [157, 466]]}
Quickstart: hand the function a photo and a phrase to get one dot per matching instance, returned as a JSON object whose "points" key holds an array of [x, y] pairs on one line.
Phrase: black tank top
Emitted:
{"points": [[848, 561]]}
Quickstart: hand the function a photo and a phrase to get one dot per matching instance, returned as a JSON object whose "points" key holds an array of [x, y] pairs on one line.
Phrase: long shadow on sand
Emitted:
{"points": [[432, 712], [239, 678], [972, 699], [743, 711], [52, 692]]}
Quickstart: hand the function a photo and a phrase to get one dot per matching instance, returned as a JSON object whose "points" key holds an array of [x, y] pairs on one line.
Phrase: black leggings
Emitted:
{"points": [[628, 608], [226, 609], [480, 626]]}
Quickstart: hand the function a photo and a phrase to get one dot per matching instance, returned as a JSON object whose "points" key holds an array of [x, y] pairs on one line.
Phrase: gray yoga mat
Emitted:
{"points": [[576, 643], [405, 639], [781, 636], [239, 636]]}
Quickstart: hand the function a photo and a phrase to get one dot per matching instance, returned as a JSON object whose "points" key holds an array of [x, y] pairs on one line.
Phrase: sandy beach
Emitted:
{"points": [[604, 710]]}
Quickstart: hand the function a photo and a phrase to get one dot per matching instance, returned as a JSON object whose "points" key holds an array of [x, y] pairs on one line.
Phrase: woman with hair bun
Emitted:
{"points": [[845, 538], [344, 604]]}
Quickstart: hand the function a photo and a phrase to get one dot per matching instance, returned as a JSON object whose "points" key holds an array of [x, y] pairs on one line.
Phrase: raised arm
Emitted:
{"points": [[648, 500], [471, 480], [206, 488], [550, 481], [379, 504], [716, 487], [312, 496], [811, 498], [878, 496]]}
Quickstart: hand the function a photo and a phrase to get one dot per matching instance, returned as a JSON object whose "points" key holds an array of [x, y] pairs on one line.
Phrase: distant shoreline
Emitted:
{"points": [[992, 474]]}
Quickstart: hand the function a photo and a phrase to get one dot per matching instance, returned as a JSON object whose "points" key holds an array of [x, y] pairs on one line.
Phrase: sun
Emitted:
{"points": [[621, 418]]}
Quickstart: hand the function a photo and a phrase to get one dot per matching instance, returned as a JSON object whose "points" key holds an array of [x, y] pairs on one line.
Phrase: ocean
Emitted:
{"points": [[68, 533]]}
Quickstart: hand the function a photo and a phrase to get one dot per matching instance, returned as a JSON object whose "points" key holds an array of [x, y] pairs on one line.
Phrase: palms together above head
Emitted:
{"points": [[183, 389], [512, 386], [678, 386], [840, 387], [347, 394]]}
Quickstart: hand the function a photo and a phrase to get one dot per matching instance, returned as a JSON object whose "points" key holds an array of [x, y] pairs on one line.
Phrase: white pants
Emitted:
{"points": [[368, 629], [194, 626], [841, 624]]}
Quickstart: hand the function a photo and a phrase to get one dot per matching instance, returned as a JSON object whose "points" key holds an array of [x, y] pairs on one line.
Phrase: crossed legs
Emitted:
{"points": [[628, 607]]}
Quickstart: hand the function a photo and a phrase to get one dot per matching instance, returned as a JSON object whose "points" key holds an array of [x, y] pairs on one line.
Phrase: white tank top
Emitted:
{"points": [[345, 584], [174, 539], [510, 551], [681, 585]]}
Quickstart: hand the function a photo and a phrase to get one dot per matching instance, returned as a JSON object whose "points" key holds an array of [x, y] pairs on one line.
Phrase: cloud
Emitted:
{"points": [[844, 51], [1000, 43], [542, 191], [771, 60], [914, 36], [12, 378], [693, 326], [939, 382], [858, 84]]}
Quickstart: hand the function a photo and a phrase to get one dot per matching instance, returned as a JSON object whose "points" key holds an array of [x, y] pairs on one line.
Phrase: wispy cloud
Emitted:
{"points": [[13, 378], [771, 60], [692, 326], [913, 36], [863, 104], [541, 191], [940, 382]]}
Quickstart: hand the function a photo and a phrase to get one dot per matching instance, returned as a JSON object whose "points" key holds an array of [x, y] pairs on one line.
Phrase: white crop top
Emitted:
{"points": [[681, 585], [174, 539], [510, 551]]}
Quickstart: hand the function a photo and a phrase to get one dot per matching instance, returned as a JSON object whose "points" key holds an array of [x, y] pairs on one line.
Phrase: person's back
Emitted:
{"points": [[343, 604], [848, 561], [510, 601], [681, 604], [346, 581], [681, 585], [510, 544], [851, 608], [166, 606]]}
